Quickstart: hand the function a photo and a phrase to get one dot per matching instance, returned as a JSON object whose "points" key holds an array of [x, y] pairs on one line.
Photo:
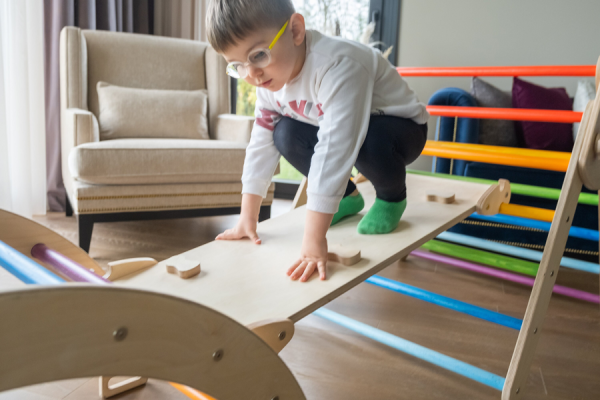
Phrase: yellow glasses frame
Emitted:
{"points": [[238, 69]]}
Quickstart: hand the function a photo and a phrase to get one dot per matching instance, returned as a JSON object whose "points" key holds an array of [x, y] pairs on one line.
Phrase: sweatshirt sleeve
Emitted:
{"points": [[261, 154], [344, 93]]}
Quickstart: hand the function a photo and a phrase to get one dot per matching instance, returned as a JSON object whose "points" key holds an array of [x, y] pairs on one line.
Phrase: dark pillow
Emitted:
{"points": [[542, 135], [494, 132]]}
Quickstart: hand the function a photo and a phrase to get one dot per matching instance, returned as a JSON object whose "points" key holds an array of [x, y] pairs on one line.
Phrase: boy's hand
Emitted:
{"points": [[245, 228], [313, 258]]}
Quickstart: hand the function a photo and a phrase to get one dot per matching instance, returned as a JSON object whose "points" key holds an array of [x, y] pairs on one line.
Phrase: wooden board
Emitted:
{"points": [[248, 282]]}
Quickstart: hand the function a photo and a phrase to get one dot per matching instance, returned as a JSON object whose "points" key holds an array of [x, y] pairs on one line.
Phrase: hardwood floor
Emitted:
{"points": [[331, 362]]}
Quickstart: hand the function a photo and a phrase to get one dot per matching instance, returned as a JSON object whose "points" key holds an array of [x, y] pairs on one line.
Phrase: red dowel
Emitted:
{"points": [[513, 114], [543, 70]]}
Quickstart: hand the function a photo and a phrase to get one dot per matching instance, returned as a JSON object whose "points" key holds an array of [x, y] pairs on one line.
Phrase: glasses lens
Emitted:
{"points": [[233, 70], [260, 58]]}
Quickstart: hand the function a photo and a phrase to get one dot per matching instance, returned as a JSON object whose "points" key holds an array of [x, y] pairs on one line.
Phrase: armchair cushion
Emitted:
{"points": [[157, 161], [149, 113]]}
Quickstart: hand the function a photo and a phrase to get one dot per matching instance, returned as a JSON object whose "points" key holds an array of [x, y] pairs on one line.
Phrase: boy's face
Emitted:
{"points": [[287, 55]]}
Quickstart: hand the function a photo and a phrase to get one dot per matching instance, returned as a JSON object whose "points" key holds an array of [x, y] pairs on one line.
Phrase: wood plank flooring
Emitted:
{"points": [[331, 362]]}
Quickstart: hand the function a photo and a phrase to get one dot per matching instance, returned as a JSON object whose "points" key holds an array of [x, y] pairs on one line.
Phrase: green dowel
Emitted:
{"points": [[483, 257], [516, 188]]}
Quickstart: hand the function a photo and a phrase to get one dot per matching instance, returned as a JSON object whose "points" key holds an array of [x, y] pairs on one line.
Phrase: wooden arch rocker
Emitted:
{"points": [[134, 333]]}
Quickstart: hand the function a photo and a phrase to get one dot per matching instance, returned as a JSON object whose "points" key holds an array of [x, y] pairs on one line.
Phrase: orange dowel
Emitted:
{"points": [[191, 393], [544, 70], [528, 158], [540, 214], [514, 114]]}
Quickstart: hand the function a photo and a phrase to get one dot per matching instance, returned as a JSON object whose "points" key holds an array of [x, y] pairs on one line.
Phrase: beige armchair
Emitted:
{"points": [[147, 178]]}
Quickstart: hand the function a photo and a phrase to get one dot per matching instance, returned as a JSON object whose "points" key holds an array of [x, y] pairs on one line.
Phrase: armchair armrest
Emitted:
{"points": [[81, 125], [234, 128]]}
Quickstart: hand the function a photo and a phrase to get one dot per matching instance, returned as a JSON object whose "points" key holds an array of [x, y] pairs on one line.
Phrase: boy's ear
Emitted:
{"points": [[298, 28]]}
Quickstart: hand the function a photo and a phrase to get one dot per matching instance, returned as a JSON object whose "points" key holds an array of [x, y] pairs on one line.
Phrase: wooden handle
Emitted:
{"points": [[121, 268], [343, 255], [184, 267], [489, 203], [440, 197]]}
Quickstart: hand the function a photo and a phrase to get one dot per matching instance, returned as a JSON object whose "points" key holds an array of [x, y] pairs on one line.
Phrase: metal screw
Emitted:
{"points": [[568, 218], [275, 398], [551, 273], [505, 195], [120, 334], [535, 331], [518, 390], [281, 335], [218, 355]]}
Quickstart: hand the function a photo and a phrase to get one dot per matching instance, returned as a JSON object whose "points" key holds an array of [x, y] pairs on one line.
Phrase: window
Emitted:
{"points": [[346, 18]]}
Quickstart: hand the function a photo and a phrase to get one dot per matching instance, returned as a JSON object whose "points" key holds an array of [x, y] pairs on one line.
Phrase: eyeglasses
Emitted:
{"points": [[260, 58]]}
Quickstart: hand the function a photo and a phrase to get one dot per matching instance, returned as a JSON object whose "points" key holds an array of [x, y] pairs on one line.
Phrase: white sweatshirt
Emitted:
{"points": [[341, 84]]}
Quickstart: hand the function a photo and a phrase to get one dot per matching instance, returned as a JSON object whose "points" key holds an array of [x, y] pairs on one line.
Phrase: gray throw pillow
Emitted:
{"points": [[494, 132]]}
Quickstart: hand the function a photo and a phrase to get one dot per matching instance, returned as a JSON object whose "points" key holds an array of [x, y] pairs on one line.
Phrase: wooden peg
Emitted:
{"points": [[343, 255], [489, 203], [182, 266], [121, 268], [277, 333], [440, 197]]}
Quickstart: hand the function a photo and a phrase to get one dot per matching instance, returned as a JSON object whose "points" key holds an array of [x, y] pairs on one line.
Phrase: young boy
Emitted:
{"points": [[325, 104]]}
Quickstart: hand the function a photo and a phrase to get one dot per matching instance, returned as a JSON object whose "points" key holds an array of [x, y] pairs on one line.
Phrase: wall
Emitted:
{"points": [[486, 32]]}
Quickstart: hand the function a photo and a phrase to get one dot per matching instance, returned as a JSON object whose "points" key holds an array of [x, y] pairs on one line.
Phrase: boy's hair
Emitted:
{"points": [[230, 20]]}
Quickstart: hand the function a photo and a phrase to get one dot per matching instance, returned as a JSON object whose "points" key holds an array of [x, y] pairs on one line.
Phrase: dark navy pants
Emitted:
{"points": [[391, 144]]}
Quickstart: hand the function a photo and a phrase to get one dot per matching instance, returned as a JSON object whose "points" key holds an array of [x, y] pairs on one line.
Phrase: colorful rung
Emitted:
{"points": [[541, 214], [533, 70], [528, 158], [512, 114]]}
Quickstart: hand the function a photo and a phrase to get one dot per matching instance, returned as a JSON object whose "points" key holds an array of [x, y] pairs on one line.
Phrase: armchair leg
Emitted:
{"points": [[264, 214], [68, 207], [86, 226]]}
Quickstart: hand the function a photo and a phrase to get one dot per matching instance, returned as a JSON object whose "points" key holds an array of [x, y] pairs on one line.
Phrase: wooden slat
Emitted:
{"points": [[248, 281]]}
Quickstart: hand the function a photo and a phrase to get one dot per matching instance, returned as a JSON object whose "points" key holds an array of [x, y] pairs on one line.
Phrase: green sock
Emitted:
{"points": [[349, 205], [383, 217]]}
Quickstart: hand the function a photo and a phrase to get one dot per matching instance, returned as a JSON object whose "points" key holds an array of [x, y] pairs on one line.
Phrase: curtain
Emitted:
{"points": [[180, 18], [22, 116], [174, 18], [112, 15]]}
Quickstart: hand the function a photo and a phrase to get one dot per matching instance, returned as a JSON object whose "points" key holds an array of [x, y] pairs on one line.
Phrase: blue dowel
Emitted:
{"points": [[423, 353], [575, 231], [515, 251], [456, 305], [24, 268]]}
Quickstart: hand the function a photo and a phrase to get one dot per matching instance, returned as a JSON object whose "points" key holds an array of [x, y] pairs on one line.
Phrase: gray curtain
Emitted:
{"points": [[112, 15]]}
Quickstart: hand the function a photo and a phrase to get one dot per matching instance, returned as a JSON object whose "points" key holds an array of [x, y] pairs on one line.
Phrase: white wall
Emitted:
{"points": [[495, 33]]}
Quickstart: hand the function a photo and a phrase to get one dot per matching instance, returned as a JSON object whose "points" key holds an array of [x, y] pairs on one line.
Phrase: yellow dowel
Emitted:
{"points": [[191, 393], [540, 214], [529, 158]]}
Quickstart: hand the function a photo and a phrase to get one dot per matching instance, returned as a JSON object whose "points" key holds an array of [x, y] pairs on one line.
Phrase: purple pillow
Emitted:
{"points": [[542, 135]]}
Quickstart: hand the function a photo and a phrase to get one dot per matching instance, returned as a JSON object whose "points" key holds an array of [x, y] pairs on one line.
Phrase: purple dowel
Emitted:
{"points": [[65, 266], [524, 280]]}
